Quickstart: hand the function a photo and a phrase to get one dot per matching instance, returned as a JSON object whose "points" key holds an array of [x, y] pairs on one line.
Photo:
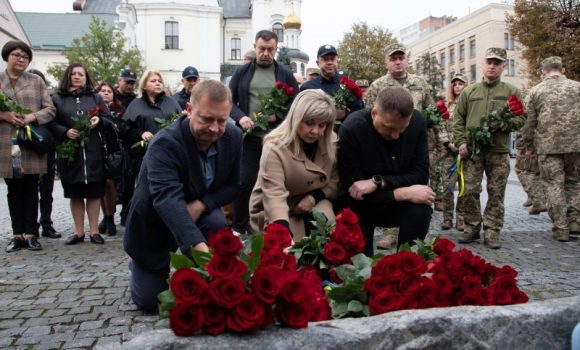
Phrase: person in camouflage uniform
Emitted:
{"points": [[474, 102], [458, 83], [551, 133], [396, 62], [528, 172], [363, 84]]}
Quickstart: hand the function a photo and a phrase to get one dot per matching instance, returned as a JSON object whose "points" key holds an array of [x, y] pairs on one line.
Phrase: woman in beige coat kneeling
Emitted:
{"points": [[298, 170]]}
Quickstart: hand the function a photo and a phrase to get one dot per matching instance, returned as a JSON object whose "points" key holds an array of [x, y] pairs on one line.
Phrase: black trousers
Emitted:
{"points": [[45, 188], [412, 219], [146, 283], [23, 203], [249, 174]]}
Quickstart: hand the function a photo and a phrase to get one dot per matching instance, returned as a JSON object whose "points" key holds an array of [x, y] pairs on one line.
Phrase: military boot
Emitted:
{"points": [[538, 208], [446, 224], [491, 239], [438, 204], [467, 237], [561, 236], [574, 227], [459, 224], [390, 238], [528, 202]]}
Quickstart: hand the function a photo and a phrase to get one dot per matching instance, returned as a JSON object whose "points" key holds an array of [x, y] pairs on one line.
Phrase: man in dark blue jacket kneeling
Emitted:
{"points": [[190, 170]]}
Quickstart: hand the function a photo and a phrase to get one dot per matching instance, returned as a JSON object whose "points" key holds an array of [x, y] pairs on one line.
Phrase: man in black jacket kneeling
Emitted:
{"points": [[384, 167]]}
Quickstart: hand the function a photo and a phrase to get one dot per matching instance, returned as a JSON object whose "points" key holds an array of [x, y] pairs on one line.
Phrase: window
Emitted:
{"points": [[452, 75], [236, 49], [294, 68], [171, 35], [473, 72], [279, 30], [443, 81], [419, 68], [511, 42], [461, 52], [462, 71], [512, 65], [452, 56], [506, 69], [472, 45], [442, 59], [508, 41], [303, 70]]}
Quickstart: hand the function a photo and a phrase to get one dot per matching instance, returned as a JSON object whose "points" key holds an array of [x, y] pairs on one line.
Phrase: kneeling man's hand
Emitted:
{"points": [[195, 209], [360, 188], [418, 194]]}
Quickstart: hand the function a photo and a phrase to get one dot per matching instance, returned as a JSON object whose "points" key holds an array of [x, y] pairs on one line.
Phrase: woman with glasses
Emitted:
{"points": [[28, 91]]}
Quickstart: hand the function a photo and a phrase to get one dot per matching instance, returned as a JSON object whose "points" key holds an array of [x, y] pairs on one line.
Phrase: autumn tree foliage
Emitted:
{"points": [[547, 28], [361, 51]]}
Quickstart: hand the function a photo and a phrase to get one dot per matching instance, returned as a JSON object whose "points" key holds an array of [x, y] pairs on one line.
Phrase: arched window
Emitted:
{"points": [[292, 42], [303, 70], [294, 68], [279, 30]]}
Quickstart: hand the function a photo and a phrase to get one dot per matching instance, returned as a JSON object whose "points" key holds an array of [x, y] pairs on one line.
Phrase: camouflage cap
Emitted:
{"points": [[362, 83], [551, 60], [461, 77], [391, 49], [497, 53], [312, 71]]}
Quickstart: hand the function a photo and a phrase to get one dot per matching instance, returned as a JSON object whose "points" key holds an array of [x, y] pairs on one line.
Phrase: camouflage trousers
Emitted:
{"points": [[433, 181], [528, 172], [448, 196], [497, 169], [561, 179]]}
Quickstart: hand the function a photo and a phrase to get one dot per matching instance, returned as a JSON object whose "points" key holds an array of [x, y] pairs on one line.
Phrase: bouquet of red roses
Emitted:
{"points": [[113, 114], [347, 93], [434, 114], [66, 150], [229, 289], [404, 281], [273, 104]]}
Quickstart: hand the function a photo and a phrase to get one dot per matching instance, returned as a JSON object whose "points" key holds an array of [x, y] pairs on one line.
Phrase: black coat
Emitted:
{"points": [[182, 98], [112, 138], [141, 114], [240, 86], [171, 176], [87, 165]]}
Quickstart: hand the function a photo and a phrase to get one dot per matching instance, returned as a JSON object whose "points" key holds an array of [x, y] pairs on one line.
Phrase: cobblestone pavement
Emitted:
{"points": [[77, 296]]}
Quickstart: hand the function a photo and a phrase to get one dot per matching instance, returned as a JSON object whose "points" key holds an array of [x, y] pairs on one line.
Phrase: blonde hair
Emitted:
{"points": [[308, 105], [143, 81]]}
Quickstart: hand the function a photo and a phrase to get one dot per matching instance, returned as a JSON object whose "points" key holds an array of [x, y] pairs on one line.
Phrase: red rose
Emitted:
{"points": [[225, 267], [508, 271], [377, 285], [503, 283], [384, 302], [443, 245], [427, 304], [449, 260], [487, 295], [112, 105], [334, 277], [478, 265], [335, 253], [215, 319], [294, 289], [409, 285], [502, 297], [466, 255], [412, 263], [310, 276], [343, 79], [513, 97], [441, 300], [265, 283], [294, 315], [247, 316], [445, 115], [185, 319], [271, 242], [225, 243], [279, 84], [389, 267], [358, 92], [268, 316], [472, 285], [489, 272], [469, 299], [273, 258], [519, 297], [428, 288], [120, 114], [101, 109], [320, 310], [518, 112], [340, 234], [440, 104], [356, 244], [289, 92], [281, 233], [347, 217], [456, 277], [227, 293], [407, 303], [289, 262], [285, 87], [443, 283], [188, 287], [91, 112]]}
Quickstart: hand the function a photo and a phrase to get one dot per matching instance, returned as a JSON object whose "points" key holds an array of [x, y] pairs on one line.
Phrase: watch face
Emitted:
{"points": [[377, 179]]}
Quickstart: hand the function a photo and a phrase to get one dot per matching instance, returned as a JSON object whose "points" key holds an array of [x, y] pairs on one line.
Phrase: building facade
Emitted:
{"points": [[423, 28], [10, 27], [460, 46]]}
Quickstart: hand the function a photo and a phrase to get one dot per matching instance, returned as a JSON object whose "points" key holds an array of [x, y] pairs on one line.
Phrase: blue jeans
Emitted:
{"points": [[576, 338]]}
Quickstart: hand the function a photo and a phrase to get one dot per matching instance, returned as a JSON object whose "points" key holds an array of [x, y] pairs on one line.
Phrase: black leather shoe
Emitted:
{"points": [[97, 239], [74, 239], [33, 244], [103, 225], [49, 231], [15, 245], [111, 227]]}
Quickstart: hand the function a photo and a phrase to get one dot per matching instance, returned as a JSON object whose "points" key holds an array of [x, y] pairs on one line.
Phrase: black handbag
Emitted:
{"points": [[118, 164], [36, 138]]}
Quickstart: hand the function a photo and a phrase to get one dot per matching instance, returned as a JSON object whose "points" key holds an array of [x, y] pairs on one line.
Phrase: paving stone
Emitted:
{"points": [[116, 330], [148, 319], [6, 341], [16, 331], [92, 292], [61, 319], [49, 293], [85, 326], [11, 323], [121, 321], [86, 317], [37, 321], [66, 329], [79, 343], [48, 346], [55, 312], [30, 313], [107, 340], [141, 327], [8, 314], [36, 331], [79, 310], [93, 333], [29, 340]]}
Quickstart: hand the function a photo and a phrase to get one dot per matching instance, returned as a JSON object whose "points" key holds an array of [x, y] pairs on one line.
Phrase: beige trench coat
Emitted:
{"points": [[30, 92], [284, 180]]}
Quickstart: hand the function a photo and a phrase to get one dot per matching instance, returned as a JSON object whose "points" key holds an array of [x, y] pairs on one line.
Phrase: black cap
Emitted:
{"points": [[189, 72], [129, 75], [325, 50]]}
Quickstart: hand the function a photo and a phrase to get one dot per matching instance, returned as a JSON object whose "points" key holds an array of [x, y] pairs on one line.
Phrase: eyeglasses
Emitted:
{"points": [[20, 57]]}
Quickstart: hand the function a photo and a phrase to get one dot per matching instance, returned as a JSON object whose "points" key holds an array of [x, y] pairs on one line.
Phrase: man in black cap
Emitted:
{"points": [[126, 86], [328, 80], [189, 78]]}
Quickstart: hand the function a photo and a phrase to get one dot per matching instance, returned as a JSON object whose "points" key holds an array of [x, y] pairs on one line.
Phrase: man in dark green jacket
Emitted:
{"points": [[474, 102]]}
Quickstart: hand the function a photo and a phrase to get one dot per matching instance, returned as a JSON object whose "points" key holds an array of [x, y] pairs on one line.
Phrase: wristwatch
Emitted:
{"points": [[378, 180]]}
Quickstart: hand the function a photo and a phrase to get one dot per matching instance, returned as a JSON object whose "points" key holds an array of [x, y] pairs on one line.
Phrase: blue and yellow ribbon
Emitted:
{"points": [[29, 132], [457, 166]]}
